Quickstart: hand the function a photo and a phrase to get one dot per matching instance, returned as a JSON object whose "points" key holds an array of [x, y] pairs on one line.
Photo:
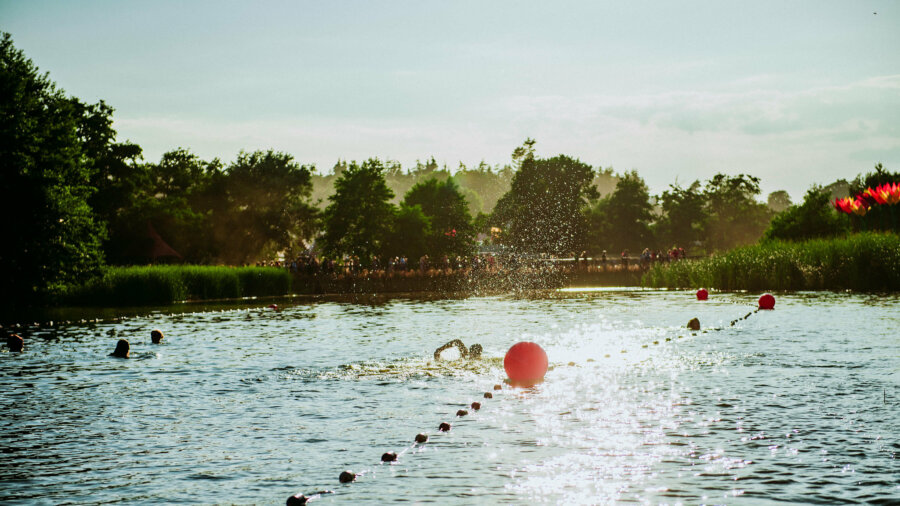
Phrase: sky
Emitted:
{"points": [[795, 93]]}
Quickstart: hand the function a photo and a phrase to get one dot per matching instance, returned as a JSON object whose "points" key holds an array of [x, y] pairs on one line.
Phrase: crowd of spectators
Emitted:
{"points": [[487, 263]]}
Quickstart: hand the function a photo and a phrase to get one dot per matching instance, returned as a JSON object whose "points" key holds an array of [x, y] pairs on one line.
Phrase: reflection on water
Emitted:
{"points": [[249, 405]]}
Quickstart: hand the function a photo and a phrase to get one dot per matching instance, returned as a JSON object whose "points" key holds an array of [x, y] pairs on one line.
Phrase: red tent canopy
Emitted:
{"points": [[159, 248]]}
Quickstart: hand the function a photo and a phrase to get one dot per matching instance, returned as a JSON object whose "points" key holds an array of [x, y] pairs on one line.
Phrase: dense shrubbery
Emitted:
{"points": [[122, 286], [867, 261], [815, 217]]}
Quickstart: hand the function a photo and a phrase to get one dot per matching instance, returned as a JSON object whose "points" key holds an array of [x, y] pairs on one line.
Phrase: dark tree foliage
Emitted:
{"points": [[878, 176], [360, 213], [482, 185], [735, 217], [116, 173], [815, 217], [622, 220], [544, 209], [263, 206], [177, 200], [408, 234], [451, 224], [683, 219], [45, 183], [118, 176]]}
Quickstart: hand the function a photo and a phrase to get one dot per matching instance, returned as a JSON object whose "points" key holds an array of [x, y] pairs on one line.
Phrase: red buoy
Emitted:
{"points": [[525, 363], [767, 301], [273, 306], [702, 294]]}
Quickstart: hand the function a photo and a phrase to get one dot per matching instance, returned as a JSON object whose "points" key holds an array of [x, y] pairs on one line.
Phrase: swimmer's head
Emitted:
{"points": [[475, 351], [297, 500], [122, 349], [156, 336], [15, 343], [694, 324]]}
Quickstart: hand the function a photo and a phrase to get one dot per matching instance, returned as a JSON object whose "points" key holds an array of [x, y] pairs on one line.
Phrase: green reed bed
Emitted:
{"points": [[867, 262], [165, 284]]}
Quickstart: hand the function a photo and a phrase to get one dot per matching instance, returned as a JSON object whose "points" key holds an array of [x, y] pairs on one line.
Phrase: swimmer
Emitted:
{"points": [[122, 349], [15, 343], [473, 353], [156, 336]]}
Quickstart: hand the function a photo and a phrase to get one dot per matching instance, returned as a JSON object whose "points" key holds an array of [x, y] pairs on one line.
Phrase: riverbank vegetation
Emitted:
{"points": [[866, 261], [167, 284]]}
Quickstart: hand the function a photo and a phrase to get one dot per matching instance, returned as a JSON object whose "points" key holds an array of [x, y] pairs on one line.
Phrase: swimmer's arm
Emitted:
{"points": [[463, 351]]}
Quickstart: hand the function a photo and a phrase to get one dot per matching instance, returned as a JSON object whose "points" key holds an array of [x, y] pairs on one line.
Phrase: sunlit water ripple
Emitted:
{"points": [[247, 405]]}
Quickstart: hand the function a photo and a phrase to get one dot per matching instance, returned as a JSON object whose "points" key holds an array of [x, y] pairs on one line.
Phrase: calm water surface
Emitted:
{"points": [[247, 405]]}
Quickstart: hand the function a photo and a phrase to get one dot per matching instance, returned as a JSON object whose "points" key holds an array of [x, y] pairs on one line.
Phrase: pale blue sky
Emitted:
{"points": [[794, 92]]}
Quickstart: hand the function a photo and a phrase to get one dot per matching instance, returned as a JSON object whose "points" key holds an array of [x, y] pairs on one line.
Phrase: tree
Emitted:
{"points": [[683, 220], [779, 201], [178, 200], [622, 219], [735, 217], [447, 211], [524, 152], [815, 217], [116, 172], [483, 186], [360, 213], [266, 206], [544, 208], [44, 186], [408, 234]]}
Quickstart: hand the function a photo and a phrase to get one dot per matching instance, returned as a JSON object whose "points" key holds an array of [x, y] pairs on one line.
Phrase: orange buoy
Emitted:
{"points": [[767, 301], [525, 363], [702, 294]]}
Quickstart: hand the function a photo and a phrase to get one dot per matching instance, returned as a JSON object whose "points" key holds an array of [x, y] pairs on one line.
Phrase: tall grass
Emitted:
{"points": [[165, 284], [865, 262]]}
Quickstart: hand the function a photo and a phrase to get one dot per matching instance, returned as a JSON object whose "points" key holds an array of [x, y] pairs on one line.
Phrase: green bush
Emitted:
{"points": [[165, 284], [866, 262], [814, 218], [261, 281]]}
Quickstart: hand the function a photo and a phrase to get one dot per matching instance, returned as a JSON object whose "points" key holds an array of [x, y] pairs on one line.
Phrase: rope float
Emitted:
{"points": [[421, 438]]}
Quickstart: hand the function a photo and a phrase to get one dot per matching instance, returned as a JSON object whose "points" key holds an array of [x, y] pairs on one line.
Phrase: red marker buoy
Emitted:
{"points": [[767, 301], [273, 306], [702, 294], [525, 363]]}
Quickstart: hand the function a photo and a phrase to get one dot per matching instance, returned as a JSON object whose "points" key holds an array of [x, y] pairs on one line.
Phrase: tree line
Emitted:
{"points": [[75, 198]]}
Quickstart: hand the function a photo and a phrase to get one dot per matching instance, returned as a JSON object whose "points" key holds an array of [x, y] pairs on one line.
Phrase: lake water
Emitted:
{"points": [[249, 405]]}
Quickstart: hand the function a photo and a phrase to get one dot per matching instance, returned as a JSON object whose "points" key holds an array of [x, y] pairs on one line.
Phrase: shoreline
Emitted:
{"points": [[358, 289]]}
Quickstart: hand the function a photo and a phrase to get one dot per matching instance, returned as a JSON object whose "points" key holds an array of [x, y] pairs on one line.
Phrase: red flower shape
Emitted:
{"points": [[889, 192], [877, 194], [844, 205], [849, 205]]}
